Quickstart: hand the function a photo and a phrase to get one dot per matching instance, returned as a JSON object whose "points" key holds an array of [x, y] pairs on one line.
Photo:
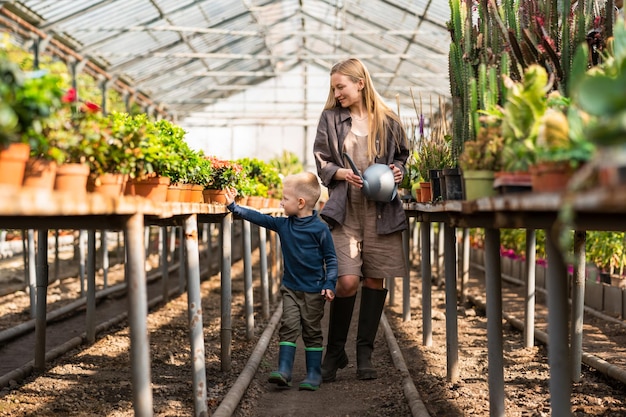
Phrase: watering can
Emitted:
{"points": [[378, 181]]}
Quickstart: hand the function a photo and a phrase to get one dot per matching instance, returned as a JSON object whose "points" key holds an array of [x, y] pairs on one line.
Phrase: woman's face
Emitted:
{"points": [[346, 91]]}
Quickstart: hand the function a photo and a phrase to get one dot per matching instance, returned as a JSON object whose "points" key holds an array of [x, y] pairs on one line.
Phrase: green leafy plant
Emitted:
{"points": [[484, 153], [26, 101], [600, 93]]}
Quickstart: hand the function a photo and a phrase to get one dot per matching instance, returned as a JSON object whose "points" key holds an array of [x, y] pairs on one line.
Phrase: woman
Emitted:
{"points": [[367, 234]]}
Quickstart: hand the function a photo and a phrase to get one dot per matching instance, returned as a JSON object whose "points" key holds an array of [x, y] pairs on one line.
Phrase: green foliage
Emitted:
{"points": [[433, 154], [225, 174], [287, 163], [26, 101], [263, 179], [600, 93]]}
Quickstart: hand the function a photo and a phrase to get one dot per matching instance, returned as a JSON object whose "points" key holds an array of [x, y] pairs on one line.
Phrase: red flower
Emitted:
{"points": [[70, 96], [90, 107]]}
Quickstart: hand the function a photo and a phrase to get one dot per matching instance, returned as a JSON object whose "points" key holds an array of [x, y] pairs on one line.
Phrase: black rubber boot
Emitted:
{"points": [[372, 304], [338, 326]]}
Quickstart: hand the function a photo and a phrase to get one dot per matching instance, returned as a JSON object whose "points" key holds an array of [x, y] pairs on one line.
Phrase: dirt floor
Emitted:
{"points": [[95, 381]]}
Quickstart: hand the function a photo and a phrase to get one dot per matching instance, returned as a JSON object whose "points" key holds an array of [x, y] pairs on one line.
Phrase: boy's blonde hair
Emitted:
{"points": [[306, 185]]}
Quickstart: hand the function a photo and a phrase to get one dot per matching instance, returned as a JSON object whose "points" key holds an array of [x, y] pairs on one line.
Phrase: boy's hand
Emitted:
{"points": [[328, 295], [231, 193]]}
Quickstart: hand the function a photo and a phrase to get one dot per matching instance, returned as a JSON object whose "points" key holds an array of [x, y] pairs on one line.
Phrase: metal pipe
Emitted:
{"points": [[452, 336], [105, 258], [137, 315], [41, 291], [265, 291], [247, 279], [578, 303], [90, 313], [558, 354], [427, 322], [226, 331], [194, 303], [165, 275], [529, 282], [495, 354], [406, 282], [31, 268]]}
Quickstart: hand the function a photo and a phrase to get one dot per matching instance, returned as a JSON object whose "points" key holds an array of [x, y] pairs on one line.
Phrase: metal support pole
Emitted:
{"points": [[32, 272], [440, 255], [42, 294], [182, 266], [406, 280], [465, 264], [104, 244], [578, 303], [226, 332], [209, 248], [57, 258], [529, 305], [452, 336], [265, 290], [165, 265], [137, 316], [247, 279], [82, 236], [427, 322], [493, 281], [273, 270], [90, 313], [194, 308], [558, 350]]}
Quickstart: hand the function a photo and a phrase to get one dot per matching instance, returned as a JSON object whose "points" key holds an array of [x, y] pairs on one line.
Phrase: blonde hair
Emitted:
{"points": [[378, 112], [306, 185]]}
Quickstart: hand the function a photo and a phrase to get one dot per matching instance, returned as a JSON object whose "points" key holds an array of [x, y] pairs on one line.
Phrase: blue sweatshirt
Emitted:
{"points": [[310, 262]]}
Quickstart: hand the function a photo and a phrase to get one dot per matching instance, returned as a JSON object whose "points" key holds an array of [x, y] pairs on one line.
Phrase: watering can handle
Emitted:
{"points": [[352, 165]]}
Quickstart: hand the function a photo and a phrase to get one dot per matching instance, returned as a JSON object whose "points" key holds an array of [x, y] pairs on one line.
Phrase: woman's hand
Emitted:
{"points": [[353, 179], [397, 173]]}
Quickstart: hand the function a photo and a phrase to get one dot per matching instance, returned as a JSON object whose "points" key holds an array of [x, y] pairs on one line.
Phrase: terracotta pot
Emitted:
{"points": [[108, 184], [214, 196], [196, 194], [13, 163], [512, 182], [72, 177], [40, 174], [551, 176], [185, 193], [425, 189], [174, 193], [256, 201], [152, 188]]}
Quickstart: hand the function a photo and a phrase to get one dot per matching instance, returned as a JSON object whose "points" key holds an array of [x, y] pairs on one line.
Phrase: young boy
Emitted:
{"points": [[310, 273]]}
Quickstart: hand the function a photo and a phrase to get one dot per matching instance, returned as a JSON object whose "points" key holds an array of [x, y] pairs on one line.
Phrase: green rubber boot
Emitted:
{"points": [[313, 378], [286, 355]]}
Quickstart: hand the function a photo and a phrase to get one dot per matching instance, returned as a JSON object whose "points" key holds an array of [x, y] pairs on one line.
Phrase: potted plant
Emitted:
{"points": [[481, 158], [224, 174], [26, 101], [433, 156]]}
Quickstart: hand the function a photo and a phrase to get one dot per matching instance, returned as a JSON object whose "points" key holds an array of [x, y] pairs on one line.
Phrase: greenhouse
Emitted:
{"points": [[181, 180]]}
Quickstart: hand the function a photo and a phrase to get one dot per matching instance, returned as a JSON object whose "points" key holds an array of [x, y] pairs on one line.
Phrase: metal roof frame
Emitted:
{"points": [[183, 55]]}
